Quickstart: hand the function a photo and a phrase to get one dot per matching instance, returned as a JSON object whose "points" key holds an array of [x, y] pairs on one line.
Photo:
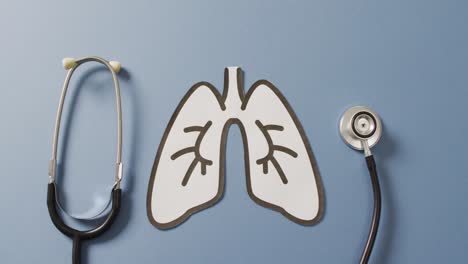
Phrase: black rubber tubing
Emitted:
{"points": [[76, 255], [376, 213], [77, 235]]}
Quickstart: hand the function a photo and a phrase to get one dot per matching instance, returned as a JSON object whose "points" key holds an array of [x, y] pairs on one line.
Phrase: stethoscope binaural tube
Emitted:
{"points": [[71, 65], [361, 129], [116, 194]]}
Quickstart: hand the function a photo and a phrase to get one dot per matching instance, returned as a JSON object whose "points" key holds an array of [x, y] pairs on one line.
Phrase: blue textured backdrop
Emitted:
{"points": [[406, 59]]}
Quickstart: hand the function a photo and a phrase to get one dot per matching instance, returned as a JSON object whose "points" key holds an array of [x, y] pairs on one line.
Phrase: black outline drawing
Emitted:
{"points": [[221, 98]]}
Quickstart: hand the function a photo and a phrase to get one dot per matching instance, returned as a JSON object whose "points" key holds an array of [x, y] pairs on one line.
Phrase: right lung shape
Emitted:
{"points": [[188, 173]]}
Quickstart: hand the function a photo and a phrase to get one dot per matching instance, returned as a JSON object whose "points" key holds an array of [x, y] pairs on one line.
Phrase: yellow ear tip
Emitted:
{"points": [[68, 63], [116, 66]]}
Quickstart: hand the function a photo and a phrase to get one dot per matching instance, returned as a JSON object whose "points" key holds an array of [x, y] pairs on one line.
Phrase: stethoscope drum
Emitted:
{"points": [[359, 126]]}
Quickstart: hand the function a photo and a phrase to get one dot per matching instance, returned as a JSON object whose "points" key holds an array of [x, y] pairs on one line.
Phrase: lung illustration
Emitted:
{"points": [[188, 172]]}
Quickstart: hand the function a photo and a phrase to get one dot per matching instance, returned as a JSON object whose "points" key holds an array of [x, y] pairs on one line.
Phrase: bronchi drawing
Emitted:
{"points": [[272, 147], [195, 150], [188, 172]]}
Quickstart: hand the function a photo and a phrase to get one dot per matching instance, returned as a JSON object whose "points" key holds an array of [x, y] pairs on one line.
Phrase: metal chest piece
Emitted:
{"points": [[360, 127]]}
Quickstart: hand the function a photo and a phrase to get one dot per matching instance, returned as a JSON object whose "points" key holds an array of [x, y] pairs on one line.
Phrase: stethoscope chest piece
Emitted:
{"points": [[360, 125], [361, 128]]}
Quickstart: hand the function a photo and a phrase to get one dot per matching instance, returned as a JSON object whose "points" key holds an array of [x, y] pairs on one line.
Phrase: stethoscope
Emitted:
{"points": [[116, 193], [361, 129]]}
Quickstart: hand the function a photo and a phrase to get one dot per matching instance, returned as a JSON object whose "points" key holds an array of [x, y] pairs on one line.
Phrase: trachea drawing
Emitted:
{"points": [[189, 169]]}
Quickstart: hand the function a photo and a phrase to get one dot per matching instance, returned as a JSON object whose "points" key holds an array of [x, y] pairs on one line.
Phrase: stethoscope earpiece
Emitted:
{"points": [[360, 128]]}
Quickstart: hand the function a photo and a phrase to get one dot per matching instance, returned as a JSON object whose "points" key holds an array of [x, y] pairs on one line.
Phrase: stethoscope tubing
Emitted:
{"points": [[77, 235], [376, 212], [83, 235]]}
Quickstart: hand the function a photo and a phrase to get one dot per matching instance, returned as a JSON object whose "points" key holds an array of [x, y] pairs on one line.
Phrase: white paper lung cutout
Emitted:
{"points": [[188, 172]]}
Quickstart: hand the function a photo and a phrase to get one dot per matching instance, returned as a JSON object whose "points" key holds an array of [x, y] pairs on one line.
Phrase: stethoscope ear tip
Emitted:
{"points": [[360, 127], [68, 63], [116, 66]]}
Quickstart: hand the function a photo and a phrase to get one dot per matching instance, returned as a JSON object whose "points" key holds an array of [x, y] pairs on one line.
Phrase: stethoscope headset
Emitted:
{"points": [[52, 202], [361, 129]]}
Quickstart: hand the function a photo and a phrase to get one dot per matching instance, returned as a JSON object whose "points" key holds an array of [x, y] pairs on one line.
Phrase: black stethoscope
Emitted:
{"points": [[116, 194], [361, 129]]}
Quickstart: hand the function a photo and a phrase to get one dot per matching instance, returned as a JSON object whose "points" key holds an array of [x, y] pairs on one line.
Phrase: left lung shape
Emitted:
{"points": [[188, 173]]}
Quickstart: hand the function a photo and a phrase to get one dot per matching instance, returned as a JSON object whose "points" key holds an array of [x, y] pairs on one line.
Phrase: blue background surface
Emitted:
{"points": [[408, 60]]}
